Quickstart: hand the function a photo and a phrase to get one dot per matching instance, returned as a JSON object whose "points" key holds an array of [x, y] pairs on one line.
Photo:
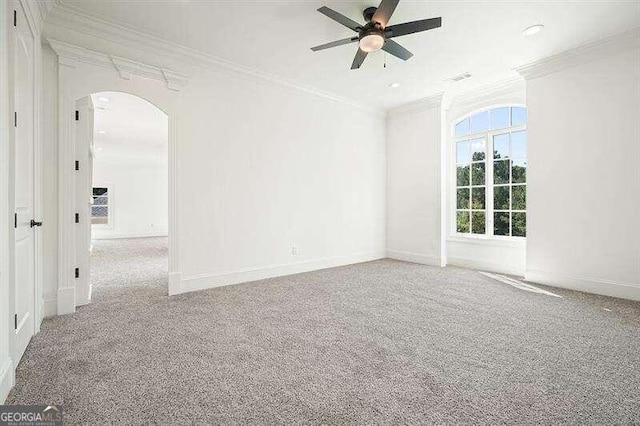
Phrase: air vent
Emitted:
{"points": [[458, 77]]}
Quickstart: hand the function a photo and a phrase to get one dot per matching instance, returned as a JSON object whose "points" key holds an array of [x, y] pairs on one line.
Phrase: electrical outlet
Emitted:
{"points": [[294, 250]]}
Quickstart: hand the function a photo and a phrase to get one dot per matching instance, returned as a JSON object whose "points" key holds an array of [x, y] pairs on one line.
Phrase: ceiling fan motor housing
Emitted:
{"points": [[368, 13]]}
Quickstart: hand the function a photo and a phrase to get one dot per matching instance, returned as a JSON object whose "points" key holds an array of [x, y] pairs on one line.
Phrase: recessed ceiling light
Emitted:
{"points": [[394, 85], [103, 99], [102, 132], [534, 29]]}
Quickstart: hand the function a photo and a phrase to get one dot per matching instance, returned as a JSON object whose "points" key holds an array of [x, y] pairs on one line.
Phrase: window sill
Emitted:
{"points": [[488, 241]]}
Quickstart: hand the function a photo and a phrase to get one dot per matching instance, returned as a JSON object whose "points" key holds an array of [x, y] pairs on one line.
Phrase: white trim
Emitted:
{"points": [[7, 379], [507, 91], [207, 281], [66, 195], [6, 176], [434, 101], [483, 265], [49, 308], [595, 50], [38, 199], [484, 240], [68, 18], [66, 302], [586, 284], [126, 68], [407, 256], [132, 235], [39, 10], [174, 283], [173, 208]]}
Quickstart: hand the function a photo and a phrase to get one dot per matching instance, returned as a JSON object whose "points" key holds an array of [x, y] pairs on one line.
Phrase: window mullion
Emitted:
{"points": [[489, 184]]}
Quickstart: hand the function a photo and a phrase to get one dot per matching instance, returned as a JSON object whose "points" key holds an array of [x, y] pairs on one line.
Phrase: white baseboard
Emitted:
{"points": [[414, 257], [589, 285], [174, 283], [7, 379], [203, 282], [481, 265], [50, 308], [66, 301], [130, 235]]}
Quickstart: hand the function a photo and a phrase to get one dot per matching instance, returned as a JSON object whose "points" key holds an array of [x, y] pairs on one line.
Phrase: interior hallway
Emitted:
{"points": [[378, 342], [130, 262]]}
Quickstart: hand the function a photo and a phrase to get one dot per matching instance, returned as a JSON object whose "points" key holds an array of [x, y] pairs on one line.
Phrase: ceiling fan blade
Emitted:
{"points": [[359, 59], [412, 27], [384, 12], [335, 43], [340, 18], [395, 49]]}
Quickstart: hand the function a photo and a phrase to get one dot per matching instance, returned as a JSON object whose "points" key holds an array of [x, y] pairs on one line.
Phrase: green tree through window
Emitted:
{"points": [[501, 177]]}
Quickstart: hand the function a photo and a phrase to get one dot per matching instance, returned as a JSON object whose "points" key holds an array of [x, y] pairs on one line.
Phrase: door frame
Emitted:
{"points": [[82, 72], [7, 189], [67, 243]]}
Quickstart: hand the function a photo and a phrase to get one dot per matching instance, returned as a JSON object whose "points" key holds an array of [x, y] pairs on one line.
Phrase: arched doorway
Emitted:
{"points": [[121, 185]]}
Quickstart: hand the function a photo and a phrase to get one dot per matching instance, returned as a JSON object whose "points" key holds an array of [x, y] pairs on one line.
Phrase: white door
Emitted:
{"points": [[24, 294], [83, 199]]}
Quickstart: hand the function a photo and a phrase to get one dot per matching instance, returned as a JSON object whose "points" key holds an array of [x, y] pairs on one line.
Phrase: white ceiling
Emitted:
{"points": [[274, 36], [134, 129]]}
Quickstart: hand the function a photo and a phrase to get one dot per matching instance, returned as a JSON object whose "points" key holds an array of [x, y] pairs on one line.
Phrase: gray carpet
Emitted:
{"points": [[378, 342]]}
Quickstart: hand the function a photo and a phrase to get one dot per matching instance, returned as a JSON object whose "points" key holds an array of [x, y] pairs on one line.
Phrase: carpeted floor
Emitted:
{"points": [[378, 342]]}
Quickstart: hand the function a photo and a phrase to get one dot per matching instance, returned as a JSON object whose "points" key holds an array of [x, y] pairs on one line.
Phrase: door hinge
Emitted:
{"points": [[77, 165], [15, 321], [77, 217], [15, 119], [77, 115], [77, 272], [15, 220], [15, 18]]}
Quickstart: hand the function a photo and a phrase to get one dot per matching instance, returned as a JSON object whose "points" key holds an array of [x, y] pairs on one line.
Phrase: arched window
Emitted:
{"points": [[491, 188]]}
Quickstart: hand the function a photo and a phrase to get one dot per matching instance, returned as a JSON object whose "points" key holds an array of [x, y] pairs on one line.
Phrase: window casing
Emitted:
{"points": [[490, 190], [100, 206]]}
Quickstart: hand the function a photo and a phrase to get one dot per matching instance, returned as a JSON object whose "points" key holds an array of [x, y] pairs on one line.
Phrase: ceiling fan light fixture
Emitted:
{"points": [[371, 42]]}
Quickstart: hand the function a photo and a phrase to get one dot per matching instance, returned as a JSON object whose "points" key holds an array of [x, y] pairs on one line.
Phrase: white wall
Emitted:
{"points": [[584, 177], [138, 197], [414, 183], [260, 167]]}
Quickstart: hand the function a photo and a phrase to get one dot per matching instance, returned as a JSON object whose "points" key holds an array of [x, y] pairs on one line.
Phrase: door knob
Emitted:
{"points": [[34, 223]]}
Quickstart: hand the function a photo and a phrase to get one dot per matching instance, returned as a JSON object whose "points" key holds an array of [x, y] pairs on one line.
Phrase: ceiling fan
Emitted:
{"points": [[375, 34]]}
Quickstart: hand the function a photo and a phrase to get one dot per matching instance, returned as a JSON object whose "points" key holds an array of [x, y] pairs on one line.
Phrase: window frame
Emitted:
{"points": [[489, 176], [109, 224]]}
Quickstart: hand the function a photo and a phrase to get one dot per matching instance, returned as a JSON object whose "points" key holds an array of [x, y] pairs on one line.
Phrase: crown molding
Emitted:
{"points": [[585, 53], [126, 68], [38, 11], [68, 18], [510, 91], [433, 101], [511, 88]]}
